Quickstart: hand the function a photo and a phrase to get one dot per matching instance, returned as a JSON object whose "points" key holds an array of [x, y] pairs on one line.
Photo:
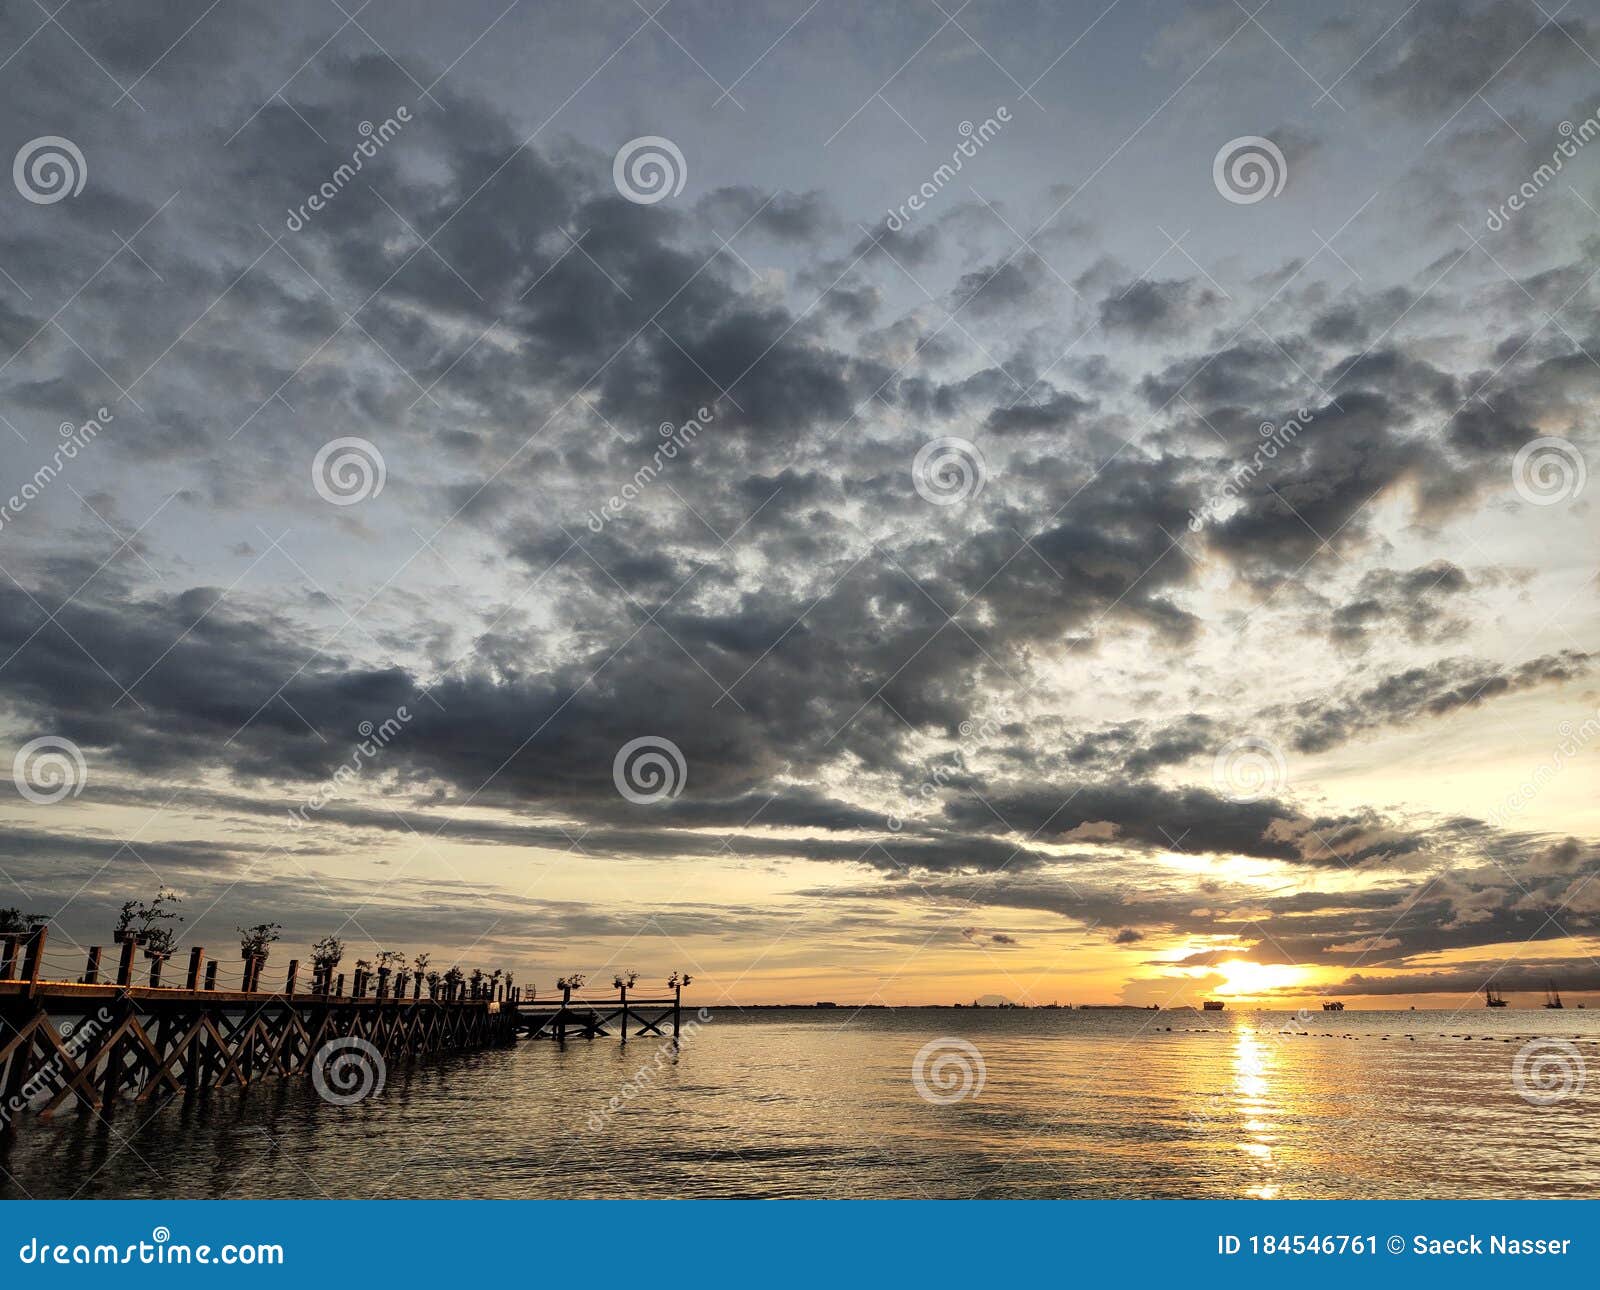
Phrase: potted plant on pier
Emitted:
{"points": [[254, 944], [139, 918], [326, 955], [452, 981], [419, 968], [624, 980], [678, 979], [15, 928], [145, 923], [475, 982], [433, 984], [388, 961]]}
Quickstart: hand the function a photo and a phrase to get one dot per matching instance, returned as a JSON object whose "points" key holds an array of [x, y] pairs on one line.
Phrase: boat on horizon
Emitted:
{"points": [[1333, 1005], [1552, 996], [1492, 999], [1212, 1005]]}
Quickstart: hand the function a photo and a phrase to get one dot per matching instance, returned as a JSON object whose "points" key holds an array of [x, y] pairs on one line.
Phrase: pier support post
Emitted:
{"points": [[292, 978], [33, 961], [624, 1014], [8, 957], [211, 975], [383, 983], [677, 1012], [91, 969], [197, 960], [125, 964], [156, 960]]}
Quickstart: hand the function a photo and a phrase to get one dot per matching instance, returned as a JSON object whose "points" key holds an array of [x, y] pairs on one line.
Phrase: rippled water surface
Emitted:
{"points": [[817, 1103]]}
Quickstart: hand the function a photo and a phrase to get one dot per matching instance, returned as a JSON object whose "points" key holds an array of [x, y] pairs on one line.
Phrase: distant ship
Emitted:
{"points": [[1334, 1006], [1212, 1005], [1552, 997], [1491, 999]]}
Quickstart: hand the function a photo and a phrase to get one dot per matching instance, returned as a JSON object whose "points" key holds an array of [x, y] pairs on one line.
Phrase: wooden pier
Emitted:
{"points": [[87, 1042], [588, 1018]]}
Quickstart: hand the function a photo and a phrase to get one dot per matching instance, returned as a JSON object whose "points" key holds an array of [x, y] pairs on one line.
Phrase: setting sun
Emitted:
{"points": [[1247, 979]]}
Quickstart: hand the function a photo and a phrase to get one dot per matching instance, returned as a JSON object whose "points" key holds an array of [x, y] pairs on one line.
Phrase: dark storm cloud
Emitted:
{"points": [[1160, 307], [1416, 601], [1444, 52], [1422, 692]]}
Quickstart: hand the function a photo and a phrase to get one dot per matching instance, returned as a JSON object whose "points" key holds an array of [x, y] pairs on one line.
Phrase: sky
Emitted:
{"points": [[892, 503]]}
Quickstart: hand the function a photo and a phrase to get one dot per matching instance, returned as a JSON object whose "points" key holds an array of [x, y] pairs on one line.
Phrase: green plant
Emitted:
{"points": [[145, 922], [13, 921], [254, 942], [327, 954]]}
